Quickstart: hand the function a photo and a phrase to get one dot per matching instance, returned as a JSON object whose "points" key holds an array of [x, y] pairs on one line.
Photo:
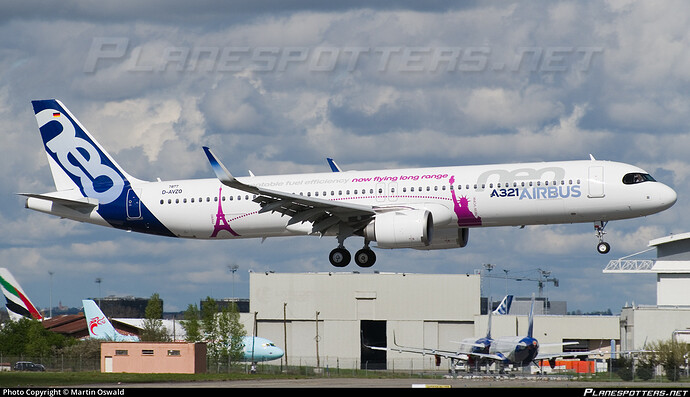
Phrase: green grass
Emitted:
{"points": [[28, 379]]}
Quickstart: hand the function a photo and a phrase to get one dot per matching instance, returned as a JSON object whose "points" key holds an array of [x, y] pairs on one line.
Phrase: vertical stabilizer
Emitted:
{"points": [[91, 185], [18, 304], [504, 307], [530, 327], [76, 160], [99, 326]]}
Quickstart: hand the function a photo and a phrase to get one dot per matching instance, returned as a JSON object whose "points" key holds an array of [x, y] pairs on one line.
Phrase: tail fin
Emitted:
{"points": [[18, 304], [504, 306], [91, 186], [76, 160], [530, 326], [100, 327]]}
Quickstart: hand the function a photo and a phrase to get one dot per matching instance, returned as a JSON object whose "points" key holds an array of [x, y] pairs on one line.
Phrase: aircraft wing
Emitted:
{"points": [[322, 214], [441, 353], [551, 357]]}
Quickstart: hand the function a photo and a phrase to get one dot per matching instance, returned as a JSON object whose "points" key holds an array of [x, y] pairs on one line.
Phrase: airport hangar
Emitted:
{"points": [[320, 319], [326, 315]]}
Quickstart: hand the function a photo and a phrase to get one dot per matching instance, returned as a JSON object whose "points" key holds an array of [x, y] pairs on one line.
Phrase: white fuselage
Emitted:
{"points": [[420, 208], [487, 195]]}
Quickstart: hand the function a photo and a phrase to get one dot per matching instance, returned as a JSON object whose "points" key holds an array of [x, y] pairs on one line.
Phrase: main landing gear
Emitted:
{"points": [[340, 257], [603, 247]]}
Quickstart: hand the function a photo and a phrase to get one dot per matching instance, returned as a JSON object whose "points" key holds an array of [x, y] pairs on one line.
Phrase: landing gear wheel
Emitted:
{"points": [[339, 257], [365, 257], [603, 247]]}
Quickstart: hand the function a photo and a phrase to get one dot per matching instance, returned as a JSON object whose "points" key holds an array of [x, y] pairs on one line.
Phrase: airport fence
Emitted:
{"points": [[56, 363], [307, 366]]}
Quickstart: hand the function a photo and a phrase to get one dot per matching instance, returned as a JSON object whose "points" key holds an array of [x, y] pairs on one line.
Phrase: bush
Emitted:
{"points": [[623, 367], [671, 356]]}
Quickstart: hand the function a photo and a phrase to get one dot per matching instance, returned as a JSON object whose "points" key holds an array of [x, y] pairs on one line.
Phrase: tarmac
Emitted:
{"points": [[678, 389]]}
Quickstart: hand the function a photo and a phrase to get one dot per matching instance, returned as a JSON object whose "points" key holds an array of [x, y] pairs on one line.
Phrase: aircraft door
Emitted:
{"points": [[596, 182], [133, 205]]}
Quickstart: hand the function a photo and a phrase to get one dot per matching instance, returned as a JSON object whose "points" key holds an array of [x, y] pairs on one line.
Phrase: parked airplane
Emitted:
{"points": [[509, 350], [99, 326], [257, 349], [419, 208], [17, 302], [472, 351], [504, 306]]}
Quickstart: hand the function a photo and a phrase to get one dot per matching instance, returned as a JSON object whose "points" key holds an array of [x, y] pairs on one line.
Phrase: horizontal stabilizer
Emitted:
{"points": [[75, 203]]}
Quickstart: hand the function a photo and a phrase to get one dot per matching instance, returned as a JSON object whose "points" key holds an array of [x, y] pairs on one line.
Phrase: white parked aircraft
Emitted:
{"points": [[418, 208], [100, 327]]}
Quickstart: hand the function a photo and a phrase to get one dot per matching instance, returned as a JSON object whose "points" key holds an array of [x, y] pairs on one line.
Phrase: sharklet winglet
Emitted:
{"points": [[224, 176]]}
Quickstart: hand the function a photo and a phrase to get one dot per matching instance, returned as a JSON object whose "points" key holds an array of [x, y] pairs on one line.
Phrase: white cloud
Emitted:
{"points": [[282, 121]]}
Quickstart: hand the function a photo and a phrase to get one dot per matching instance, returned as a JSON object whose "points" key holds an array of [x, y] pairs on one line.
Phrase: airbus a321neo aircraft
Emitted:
{"points": [[508, 350], [418, 208]]}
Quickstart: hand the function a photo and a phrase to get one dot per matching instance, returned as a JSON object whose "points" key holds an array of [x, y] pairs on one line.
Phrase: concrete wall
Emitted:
{"points": [[643, 325]]}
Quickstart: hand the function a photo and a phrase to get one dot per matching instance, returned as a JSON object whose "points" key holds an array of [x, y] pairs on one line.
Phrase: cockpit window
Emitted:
{"points": [[637, 177]]}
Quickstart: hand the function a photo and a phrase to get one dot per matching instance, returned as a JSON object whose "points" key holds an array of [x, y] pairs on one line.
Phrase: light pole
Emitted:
{"points": [[233, 268], [50, 309], [98, 281]]}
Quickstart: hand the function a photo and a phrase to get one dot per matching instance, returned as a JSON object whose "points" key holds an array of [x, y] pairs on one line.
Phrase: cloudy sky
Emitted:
{"points": [[276, 87]]}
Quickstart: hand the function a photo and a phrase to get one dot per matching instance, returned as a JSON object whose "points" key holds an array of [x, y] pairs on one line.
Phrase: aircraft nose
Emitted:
{"points": [[278, 352], [667, 197]]}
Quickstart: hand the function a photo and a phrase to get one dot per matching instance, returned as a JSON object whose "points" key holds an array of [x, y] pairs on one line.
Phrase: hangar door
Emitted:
{"points": [[373, 334]]}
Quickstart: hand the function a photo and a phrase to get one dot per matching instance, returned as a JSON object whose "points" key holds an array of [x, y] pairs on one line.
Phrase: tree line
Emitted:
{"points": [[221, 330]]}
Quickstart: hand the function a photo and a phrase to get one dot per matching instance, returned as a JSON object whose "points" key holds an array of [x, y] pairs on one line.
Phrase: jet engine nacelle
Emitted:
{"points": [[448, 238], [401, 229]]}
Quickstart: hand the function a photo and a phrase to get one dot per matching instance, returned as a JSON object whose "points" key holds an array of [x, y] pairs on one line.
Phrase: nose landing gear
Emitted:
{"points": [[602, 247]]}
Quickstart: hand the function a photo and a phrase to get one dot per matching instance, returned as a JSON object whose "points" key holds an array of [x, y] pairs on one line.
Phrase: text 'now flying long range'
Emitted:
{"points": [[417, 208]]}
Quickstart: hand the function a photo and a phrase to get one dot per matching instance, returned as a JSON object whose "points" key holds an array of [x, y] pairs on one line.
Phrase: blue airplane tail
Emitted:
{"points": [[86, 177], [504, 306], [99, 326], [530, 326], [76, 159]]}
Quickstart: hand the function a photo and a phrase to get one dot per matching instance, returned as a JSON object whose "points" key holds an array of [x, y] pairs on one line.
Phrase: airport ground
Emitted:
{"points": [[133, 382], [463, 383]]}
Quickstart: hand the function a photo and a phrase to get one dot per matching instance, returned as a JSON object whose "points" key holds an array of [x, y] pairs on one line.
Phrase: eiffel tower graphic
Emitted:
{"points": [[221, 222]]}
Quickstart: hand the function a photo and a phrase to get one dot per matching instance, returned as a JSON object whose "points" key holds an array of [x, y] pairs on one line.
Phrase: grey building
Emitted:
{"points": [[320, 319]]}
